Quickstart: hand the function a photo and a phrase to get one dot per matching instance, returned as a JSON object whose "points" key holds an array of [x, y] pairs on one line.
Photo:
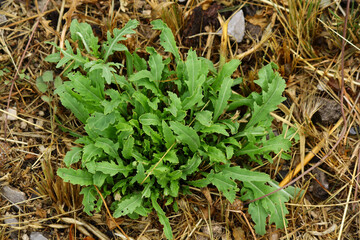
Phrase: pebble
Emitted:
{"points": [[10, 221], [354, 130], [37, 236], [39, 124], [23, 125], [13, 115], [236, 26], [13, 195], [25, 237]]}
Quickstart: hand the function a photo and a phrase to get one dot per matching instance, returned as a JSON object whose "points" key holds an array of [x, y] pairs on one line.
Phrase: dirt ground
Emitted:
{"points": [[304, 38]]}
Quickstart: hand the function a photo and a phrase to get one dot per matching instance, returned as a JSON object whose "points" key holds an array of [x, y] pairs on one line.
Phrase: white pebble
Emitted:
{"points": [[12, 116]]}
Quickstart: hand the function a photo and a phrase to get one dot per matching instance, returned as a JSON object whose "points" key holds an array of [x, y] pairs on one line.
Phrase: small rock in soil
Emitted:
{"points": [[11, 117], [13, 195], [10, 221], [328, 113], [354, 130], [317, 187], [2, 20], [39, 124], [236, 26], [217, 231], [25, 237], [254, 30], [37, 236], [23, 125]]}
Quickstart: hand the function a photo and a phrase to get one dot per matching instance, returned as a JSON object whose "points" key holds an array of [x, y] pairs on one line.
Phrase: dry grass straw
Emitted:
{"points": [[289, 41]]}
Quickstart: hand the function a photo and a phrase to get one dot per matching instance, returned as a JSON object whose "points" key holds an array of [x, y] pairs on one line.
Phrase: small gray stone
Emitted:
{"points": [[37, 236], [354, 130], [10, 221], [2, 20], [12, 194], [329, 112], [236, 26]]}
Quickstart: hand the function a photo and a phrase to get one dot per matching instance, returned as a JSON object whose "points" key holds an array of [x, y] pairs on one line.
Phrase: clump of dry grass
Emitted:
{"points": [[65, 196]]}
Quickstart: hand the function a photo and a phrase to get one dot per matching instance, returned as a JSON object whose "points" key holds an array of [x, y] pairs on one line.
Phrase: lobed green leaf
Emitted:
{"points": [[186, 135], [162, 217], [150, 119], [90, 196], [221, 102], [81, 177], [83, 32], [273, 86], [73, 156], [111, 168], [224, 184], [128, 205], [112, 44], [167, 39]]}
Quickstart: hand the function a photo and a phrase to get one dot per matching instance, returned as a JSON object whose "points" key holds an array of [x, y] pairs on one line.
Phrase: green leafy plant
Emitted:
{"points": [[165, 126]]}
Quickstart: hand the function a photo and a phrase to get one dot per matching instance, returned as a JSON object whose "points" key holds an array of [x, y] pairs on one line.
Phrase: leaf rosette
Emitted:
{"points": [[165, 126]]}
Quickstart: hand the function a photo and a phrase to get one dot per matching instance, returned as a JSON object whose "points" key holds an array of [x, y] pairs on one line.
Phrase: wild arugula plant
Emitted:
{"points": [[155, 132]]}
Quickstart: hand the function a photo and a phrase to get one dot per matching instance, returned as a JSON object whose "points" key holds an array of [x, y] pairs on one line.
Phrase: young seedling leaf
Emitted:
{"points": [[41, 84], [48, 76]]}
